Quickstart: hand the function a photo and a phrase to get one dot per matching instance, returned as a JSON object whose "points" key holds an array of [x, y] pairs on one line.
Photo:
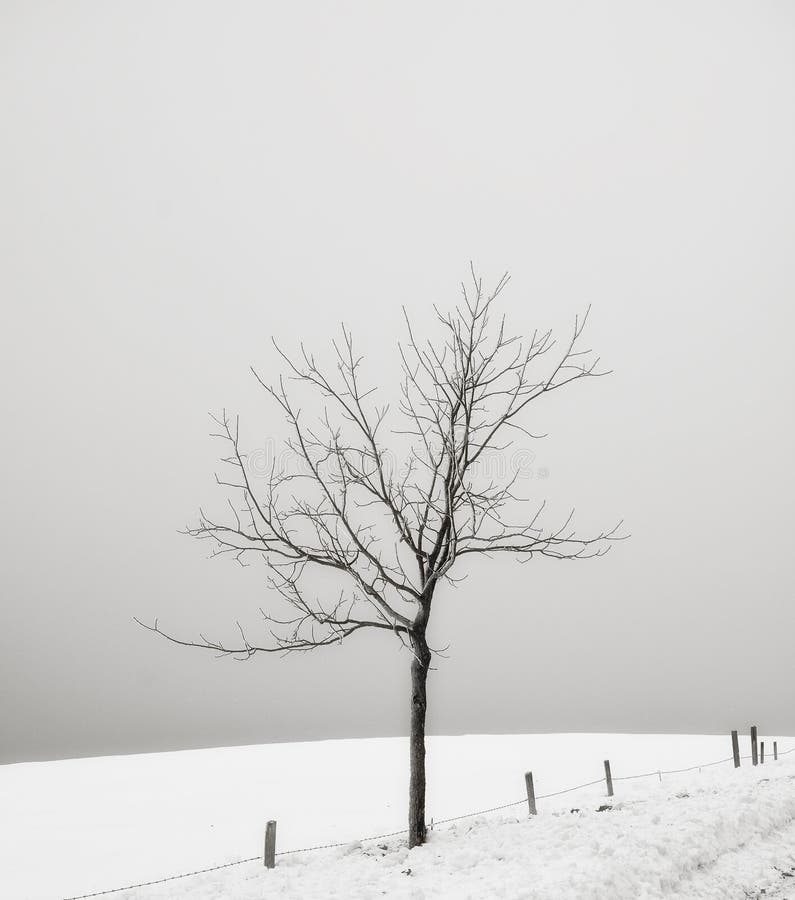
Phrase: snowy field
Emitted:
{"points": [[73, 827]]}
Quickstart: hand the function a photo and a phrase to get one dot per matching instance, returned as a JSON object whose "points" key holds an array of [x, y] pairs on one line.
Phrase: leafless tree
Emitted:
{"points": [[391, 535]]}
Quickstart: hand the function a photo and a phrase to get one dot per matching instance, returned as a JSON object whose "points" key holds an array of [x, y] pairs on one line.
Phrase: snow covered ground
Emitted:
{"points": [[72, 827]]}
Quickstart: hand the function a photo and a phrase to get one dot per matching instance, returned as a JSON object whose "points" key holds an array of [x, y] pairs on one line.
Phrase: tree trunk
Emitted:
{"points": [[419, 676]]}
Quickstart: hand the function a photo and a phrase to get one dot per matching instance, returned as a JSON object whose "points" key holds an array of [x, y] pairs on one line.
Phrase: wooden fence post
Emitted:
{"points": [[754, 751], [608, 778], [270, 845], [736, 749], [531, 794], [775, 750], [762, 752]]}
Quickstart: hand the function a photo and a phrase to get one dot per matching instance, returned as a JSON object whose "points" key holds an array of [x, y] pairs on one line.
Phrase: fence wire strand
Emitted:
{"points": [[376, 837], [130, 887]]}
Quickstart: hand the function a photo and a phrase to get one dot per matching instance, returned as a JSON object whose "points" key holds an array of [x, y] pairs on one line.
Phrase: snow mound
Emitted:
{"points": [[713, 836], [99, 824]]}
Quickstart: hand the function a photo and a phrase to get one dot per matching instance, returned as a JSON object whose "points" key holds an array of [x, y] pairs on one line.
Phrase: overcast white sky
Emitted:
{"points": [[182, 180]]}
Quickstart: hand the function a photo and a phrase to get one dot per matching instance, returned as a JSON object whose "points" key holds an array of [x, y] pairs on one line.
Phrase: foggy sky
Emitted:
{"points": [[180, 181]]}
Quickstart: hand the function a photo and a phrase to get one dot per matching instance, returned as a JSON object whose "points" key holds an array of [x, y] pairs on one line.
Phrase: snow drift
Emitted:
{"points": [[102, 823]]}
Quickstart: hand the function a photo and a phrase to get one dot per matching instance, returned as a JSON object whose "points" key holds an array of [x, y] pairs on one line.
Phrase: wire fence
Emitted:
{"points": [[376, 837]]}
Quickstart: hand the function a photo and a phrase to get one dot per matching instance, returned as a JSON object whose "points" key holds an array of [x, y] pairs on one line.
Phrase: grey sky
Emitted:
{"points": [[181, 180]]}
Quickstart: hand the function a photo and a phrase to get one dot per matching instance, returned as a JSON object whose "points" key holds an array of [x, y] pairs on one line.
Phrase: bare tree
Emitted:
{"points": [[390, 535]]}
